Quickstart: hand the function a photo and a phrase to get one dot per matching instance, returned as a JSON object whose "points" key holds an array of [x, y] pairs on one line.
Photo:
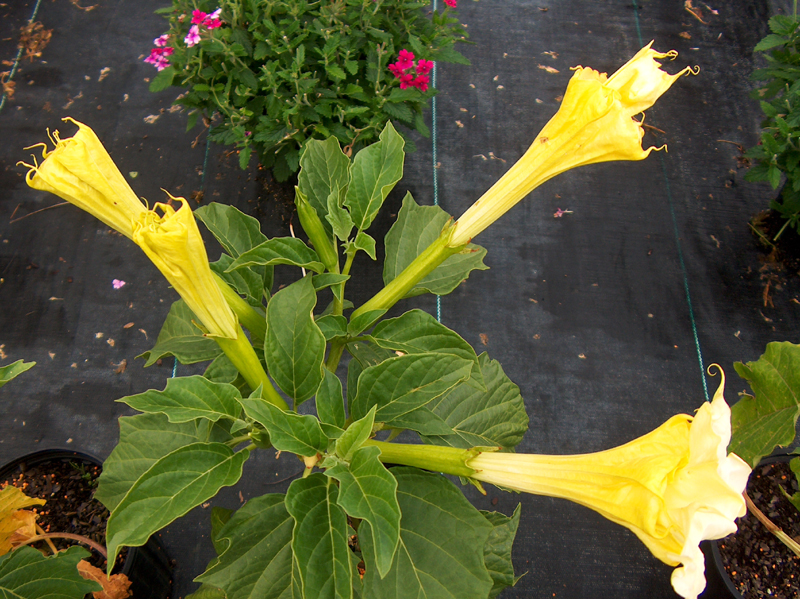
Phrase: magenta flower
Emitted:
{"points": [[198, 16], [117, 284], [193, 36], [396, 69], [161, 41], [406, 80], [405, 60], [158, 57], [451, 3], [424, 67], [421, 82]]}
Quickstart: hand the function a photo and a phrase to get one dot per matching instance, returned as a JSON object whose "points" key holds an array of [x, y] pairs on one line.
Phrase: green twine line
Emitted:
{"points": [[678, 240]]}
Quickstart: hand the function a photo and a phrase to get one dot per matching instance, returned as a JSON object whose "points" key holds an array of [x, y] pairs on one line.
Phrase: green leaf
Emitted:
{"points": [[492, 417], [328, 279], [424, 421], [253, 282], [769, 42], [365, 243], [222, 370], [207, 592], [280, 250], [338, 218], [244, 153], [171, 487], [332, 325], [418, 332], [14, 370], [219, 518], [256, 562], [179, 337], [319, 539], [368, 491], [143, 440], [400, 385], [767, 420], [355, 436], [440, 554], [163, 80], [497, 551], [235, 231], [364, 321], [27, 574], [367, 354], [375, 171], [415, 229], [323, 172], [794, 464], [287, 431], [294, 348], [188, 398], [330, 402]]}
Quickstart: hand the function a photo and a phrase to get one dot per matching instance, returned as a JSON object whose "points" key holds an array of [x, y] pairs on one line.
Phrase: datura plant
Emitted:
{"points": [[371, 517]]}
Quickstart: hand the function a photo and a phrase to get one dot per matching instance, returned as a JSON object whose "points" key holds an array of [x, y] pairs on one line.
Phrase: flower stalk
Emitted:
{"points": [[249, 317], [449, 460]]}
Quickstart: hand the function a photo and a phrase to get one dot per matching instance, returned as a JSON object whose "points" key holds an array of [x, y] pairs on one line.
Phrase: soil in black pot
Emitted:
{"points": [[68, 488], [786, 250], [756, 561]]}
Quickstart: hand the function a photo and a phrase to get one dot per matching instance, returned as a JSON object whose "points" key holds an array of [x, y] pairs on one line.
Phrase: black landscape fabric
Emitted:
{"points": [[605, 316]]}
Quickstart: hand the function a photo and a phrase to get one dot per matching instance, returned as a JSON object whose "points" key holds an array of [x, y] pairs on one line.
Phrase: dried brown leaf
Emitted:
{"points": [[116, 587]]}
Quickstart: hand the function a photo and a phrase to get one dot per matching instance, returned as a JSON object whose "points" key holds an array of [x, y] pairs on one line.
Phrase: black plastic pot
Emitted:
{"points": [[720, 584], [147, 567]]}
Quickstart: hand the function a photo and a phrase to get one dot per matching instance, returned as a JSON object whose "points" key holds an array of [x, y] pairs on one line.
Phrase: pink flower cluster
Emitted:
{"points": [[451, 3], [201, 19], [409, 74], [159, 56]]}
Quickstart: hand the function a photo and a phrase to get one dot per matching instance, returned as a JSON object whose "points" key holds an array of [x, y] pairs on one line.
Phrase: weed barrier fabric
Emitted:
{"points": [[603, 316]]}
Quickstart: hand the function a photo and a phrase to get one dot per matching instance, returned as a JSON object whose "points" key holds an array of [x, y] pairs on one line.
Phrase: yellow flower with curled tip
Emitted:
{"points": [[673, 487], [172, 241], [594, 124], [80, 171]]}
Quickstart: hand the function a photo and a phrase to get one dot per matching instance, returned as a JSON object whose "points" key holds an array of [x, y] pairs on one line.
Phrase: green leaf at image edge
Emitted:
{"points": [[497, 551], [13, 370], [27, 574], [180, 337]]}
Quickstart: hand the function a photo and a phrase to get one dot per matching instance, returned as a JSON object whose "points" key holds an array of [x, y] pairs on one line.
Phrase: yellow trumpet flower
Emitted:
{"points": [[172, 242], [594, 124], [80, 171], [673, 487]]}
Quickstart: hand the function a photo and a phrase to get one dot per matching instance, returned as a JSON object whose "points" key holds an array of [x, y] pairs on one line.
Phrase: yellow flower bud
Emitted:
{"points": [[80, 171], [172, 242], [594, 124], [673, 487]]}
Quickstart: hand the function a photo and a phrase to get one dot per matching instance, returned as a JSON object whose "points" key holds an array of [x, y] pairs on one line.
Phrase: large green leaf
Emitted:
{"points": [[441, 549], [287, 431], [319, 539], [250, 281], [375, 171], [187, 398], [329, 400], [27, 574], [14, 370], [418, 332], [280, 250], [143, 440], [235, 231], [294, 348], [368, 491], [492, 417], [256, 561], [415, 229], [355, 436], [402, 384], [767, 420], [179, 337], [497, 551], [324, 171], [171, 487]]}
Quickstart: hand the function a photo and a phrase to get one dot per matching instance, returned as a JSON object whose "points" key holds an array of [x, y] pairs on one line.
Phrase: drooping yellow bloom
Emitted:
{"points": [[594, 124], [673, 487], [80, 171], [13, 516], [172, 241]]}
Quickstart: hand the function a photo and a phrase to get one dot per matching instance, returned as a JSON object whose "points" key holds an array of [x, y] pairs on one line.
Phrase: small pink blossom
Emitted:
{"points": [[193, 36], [161, 41], [395, 69], [117, 284], [406, 80], [559, 213], [158, 57], [421, 82], [424, 67], [198, 16], [405, 60], [451, 3]]}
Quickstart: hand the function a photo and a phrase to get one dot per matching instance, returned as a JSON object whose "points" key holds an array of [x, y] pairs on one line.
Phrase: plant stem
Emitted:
{"points": [[421, 267], [49, 542], [254, 322], [335, 355], [770, 525], [66, 535], [449, 460], [241, 353]]}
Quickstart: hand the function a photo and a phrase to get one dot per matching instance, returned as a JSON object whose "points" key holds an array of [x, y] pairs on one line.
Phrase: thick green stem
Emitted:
{"points": [[449, 460], [421, 267], [334, 356], [241, 353], [253, 321]]}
